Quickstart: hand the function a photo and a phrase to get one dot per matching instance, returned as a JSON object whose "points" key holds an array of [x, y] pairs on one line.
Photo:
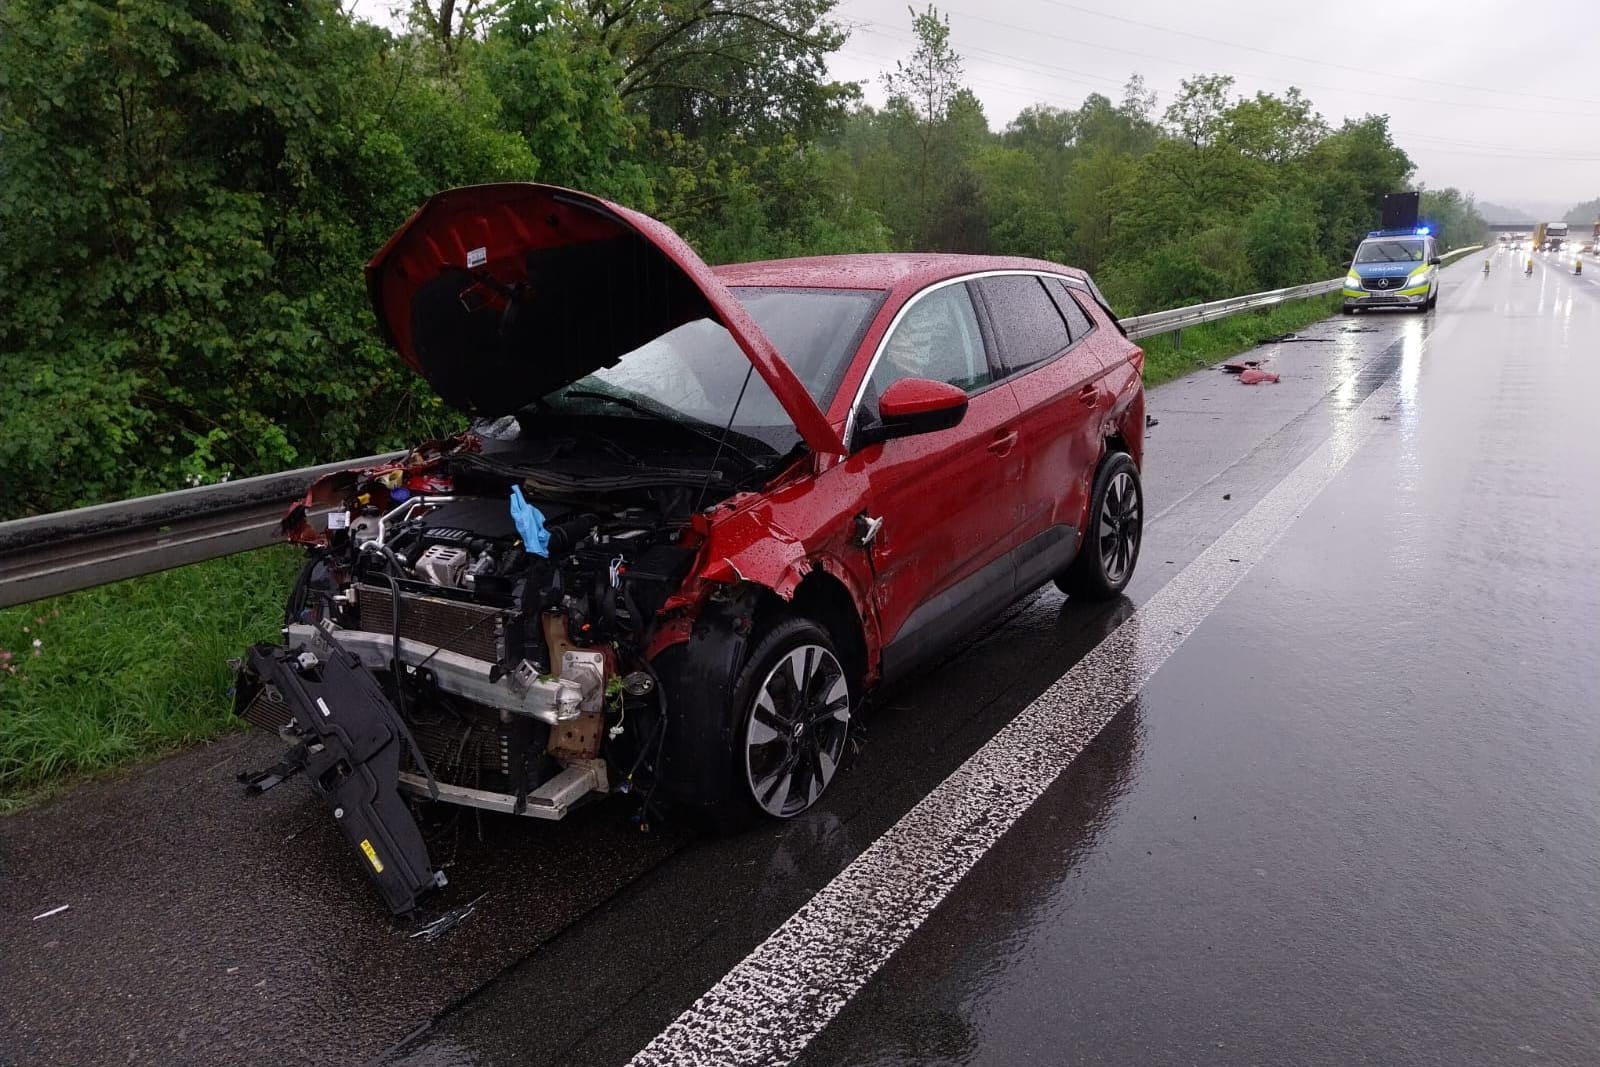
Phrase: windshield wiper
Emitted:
{"points": [[634, 405]]}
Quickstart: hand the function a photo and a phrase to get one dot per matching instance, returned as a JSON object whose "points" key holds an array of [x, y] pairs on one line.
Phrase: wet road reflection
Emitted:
{"points": [[1360, 819]]}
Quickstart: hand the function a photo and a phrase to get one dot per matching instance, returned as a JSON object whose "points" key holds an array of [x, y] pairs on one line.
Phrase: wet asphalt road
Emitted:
{"points": [[1351, 820]]}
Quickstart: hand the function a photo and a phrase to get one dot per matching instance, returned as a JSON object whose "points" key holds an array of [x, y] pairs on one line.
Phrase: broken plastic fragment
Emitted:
{"points": [[1253, 375]]}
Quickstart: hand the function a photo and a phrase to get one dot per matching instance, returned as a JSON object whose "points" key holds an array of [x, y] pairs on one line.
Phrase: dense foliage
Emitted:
{"points": [[188, 190], [1585, 214]]}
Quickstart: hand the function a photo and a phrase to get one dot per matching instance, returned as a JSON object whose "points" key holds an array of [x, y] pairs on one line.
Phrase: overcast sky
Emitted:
{"points": [[1496, 97], [1500, 98]]}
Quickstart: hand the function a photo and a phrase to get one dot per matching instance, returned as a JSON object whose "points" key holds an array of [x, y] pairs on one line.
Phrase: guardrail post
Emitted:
{"points": [[1177, 340]]}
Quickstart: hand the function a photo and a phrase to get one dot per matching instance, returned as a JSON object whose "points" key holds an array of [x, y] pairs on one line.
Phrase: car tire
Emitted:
{"points": [[1348, 310], [788, 739], [1110, 549]]}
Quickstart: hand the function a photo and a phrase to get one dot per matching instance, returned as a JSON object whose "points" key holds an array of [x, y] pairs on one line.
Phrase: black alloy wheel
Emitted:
{"points": [[796, 702], [1110, 550]]}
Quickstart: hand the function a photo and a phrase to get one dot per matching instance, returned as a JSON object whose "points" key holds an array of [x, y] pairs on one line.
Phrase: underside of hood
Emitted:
{"points": [[499, 294]]}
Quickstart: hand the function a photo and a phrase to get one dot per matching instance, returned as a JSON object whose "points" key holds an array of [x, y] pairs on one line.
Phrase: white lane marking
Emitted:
{"points": [[775, 1001]]}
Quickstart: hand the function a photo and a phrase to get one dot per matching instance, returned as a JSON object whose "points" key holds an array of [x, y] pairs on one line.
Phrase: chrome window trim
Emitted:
{"points": [[894, 324]]}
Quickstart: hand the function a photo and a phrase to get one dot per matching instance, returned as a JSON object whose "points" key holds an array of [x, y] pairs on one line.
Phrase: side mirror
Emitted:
{"points": [[914, 406], [1435, 261]]}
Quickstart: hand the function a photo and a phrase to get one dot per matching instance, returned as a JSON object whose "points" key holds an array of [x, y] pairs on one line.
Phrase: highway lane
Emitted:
{"points": [[1218, 450], [206, 928], [1353, 819]]}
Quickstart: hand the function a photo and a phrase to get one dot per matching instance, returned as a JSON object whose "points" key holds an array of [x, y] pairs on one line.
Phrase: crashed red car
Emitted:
{"points": [[699, 515]]}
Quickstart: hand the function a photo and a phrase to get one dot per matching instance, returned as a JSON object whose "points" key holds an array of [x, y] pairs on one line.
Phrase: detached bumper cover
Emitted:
{"points": [[350, 746]]}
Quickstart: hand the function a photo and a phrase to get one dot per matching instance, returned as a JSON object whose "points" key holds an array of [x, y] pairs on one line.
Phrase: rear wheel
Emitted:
{"points": [[1110, 550], [793, 705]]}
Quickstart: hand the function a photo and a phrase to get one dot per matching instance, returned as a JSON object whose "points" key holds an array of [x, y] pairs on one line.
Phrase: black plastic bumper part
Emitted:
{"points": [[352, 748]]}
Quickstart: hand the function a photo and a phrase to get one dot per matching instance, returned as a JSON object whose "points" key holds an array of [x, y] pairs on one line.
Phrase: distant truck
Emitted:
{"points": [[1555, 236]]}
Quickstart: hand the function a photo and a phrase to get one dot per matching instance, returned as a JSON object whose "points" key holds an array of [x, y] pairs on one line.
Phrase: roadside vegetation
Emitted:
{"points": [[189, 190], [1166, 359], [92, 680]]}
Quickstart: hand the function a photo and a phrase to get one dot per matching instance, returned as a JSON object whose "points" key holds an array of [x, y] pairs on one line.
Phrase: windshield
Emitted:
{"points": [[1389, 252], [696, 373]]}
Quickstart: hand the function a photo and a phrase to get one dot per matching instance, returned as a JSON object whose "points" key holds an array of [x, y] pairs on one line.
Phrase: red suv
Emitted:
{"points": [[699, 514]]}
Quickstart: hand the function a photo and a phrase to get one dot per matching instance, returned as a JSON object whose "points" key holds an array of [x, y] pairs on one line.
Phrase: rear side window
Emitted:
{"points": [[1079, 322], [1028, 326]]}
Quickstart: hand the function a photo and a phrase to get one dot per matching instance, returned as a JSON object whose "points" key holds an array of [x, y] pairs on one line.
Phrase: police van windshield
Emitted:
{"points": [[1389, 252]]}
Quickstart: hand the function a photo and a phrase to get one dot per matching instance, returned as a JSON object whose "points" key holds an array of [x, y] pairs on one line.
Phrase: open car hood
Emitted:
{"points": [[499, 294]]}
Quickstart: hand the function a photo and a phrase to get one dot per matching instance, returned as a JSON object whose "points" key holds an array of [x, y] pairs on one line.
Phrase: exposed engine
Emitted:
{"points": [[520, 655]]}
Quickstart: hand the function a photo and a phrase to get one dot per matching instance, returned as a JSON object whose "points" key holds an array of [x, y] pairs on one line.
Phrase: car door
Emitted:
{"points": [[940, 507], [1059, 382]]}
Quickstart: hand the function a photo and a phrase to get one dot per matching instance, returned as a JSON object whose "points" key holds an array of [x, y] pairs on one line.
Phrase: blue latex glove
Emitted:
{"points": [[530, 524]]}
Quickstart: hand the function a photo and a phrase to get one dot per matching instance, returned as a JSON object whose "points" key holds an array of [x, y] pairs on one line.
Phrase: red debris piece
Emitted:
{"points": [[1255, 374]]}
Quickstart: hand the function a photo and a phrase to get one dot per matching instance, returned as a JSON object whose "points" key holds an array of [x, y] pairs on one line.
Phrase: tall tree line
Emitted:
{"points": [[189, 188]]}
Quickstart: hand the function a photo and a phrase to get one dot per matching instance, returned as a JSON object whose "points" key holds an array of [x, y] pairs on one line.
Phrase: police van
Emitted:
{"points": [[1394, 268]]}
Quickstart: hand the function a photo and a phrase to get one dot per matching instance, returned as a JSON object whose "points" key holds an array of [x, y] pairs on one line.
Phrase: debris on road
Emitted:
{"points": [[448, 921], [1256, 375], [52, 911], [1241, 367], [1290, 338]]}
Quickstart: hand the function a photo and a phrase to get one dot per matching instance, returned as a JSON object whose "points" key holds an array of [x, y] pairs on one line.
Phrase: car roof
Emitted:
{"points": [[885, 270]]}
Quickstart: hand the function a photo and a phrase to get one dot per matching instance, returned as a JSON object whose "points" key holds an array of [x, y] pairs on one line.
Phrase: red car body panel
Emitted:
{"points": [[1020, 461], [1023, 458]]}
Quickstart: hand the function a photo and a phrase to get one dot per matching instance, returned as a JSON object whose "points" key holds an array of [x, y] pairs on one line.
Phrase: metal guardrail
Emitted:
{"points": [[47, 555], [69, 550], [1159, 322]]}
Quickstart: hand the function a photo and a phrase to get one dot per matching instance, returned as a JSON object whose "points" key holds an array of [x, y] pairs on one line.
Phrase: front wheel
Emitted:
{"points": [[792, 701], [1110, 549]]}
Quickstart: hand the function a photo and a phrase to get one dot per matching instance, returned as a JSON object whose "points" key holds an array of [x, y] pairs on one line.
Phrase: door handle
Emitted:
{"points": [[1089, 396], [1004, 441]]}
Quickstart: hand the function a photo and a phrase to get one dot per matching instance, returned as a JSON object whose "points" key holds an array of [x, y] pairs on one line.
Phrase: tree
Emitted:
{"points": [[1453, 218], [450, 23], [188, 192], [1275, 129], [1580, 214], [1198, 113], [923, 89], [1281, 243]]}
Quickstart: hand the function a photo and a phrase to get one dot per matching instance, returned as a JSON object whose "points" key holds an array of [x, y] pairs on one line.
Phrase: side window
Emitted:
{"points": [[1030, 328], [1079, 322], [939, 339]]}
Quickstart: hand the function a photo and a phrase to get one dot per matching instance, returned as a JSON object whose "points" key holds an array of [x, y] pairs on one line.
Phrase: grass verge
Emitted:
{"points": [[99, 678], [1216, 341]]}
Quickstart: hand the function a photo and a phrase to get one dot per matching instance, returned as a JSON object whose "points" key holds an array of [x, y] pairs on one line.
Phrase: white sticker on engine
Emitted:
{"points": [[477, 257], [338, 520]]}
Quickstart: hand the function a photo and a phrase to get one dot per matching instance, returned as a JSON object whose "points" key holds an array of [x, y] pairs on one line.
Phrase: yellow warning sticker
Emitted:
{"points": [[372, 855]]}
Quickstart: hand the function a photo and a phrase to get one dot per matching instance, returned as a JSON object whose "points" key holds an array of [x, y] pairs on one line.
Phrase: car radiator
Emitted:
{"points": [[474, 630]]}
